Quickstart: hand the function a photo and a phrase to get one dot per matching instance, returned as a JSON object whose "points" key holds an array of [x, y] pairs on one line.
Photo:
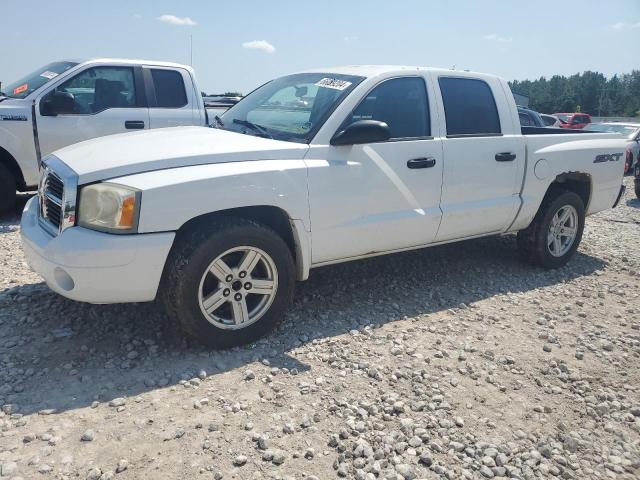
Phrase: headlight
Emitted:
{"points": [[109, 207]]}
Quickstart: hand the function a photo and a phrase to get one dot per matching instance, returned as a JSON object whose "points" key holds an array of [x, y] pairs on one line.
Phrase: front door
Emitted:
{"points": [[378, 197], [106, 100]]}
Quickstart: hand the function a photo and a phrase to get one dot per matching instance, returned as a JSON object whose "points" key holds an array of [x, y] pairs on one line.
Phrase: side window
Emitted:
{"points": [[469, 107], [401, 103], [101, 88], [169, 86], [525, 121]]}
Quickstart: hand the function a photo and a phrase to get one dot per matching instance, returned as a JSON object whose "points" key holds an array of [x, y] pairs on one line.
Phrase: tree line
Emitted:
{"points": [[589, 92]]}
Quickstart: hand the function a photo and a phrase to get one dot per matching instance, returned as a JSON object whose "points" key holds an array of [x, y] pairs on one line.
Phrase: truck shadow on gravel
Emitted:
{"points": [[58, 354], [10, 221]]}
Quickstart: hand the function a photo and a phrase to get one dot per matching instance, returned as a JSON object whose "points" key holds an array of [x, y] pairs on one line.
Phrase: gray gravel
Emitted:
{"points": [[452, 362]]}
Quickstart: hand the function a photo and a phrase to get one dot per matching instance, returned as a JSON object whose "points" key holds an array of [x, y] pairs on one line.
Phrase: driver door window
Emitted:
{"points": [[101, 88], [401, 103], [99, 101]]}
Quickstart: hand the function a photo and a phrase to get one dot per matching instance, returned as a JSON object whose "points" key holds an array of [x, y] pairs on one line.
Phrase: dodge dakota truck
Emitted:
{"points": [[309, 169], [66, 102]]}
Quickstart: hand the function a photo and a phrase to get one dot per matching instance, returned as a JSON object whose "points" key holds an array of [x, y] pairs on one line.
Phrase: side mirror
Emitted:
{"points": [[362, 131], [56, 103]]}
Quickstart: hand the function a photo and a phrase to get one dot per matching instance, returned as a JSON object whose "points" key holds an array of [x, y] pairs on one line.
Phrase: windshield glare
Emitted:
{"points": [[26, 85], [290, 108]]}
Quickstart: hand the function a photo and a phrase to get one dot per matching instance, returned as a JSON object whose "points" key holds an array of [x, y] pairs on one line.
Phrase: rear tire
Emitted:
{"points": [[551, 239], [637, 189], [7, 190], [228, 282]]}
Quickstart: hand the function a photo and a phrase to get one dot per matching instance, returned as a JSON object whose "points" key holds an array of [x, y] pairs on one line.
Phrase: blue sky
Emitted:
{"points": [[239, 45]]}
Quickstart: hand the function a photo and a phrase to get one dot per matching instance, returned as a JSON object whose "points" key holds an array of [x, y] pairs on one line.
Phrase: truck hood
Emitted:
{"points": [[138, 152]]}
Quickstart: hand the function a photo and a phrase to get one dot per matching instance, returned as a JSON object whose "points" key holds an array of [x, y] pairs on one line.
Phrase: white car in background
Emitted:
{"points": [[550, 120], [630, 130]]}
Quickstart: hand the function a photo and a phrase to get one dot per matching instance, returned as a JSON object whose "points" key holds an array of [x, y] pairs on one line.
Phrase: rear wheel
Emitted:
{"points": [[7, 190], [556, 231], [229, 282]]}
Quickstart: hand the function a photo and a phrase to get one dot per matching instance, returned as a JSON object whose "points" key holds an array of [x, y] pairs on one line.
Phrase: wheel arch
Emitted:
{"points": [[292, 231], [11, 164], [578, 182]]}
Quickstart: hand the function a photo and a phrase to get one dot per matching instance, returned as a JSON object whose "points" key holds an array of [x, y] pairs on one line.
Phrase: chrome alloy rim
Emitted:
{"points": [[562, 231], [238, 288]]}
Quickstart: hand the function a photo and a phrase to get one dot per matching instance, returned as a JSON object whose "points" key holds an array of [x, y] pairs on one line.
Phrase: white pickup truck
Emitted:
{"points": [[310, 169], [66, 102]]}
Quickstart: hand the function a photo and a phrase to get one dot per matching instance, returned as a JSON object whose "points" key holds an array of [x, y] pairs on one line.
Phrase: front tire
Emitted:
{"points": [[7, 190], [556, 231], [228, 282]]}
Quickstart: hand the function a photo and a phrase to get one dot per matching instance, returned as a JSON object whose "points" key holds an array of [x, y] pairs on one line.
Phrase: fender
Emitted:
{"points": [[172, 197], [16, 138], [566, 162]]}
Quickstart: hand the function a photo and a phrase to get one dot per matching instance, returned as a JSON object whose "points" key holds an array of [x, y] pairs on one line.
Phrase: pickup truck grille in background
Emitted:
{"points": [[57, 196]]}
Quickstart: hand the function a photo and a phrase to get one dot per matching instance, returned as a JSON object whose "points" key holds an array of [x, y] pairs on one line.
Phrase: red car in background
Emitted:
{"points": [[573, 120]]}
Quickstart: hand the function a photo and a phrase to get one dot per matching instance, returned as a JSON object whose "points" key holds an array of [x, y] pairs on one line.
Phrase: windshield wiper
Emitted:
{"points": [[219, 122], [258, 128]]}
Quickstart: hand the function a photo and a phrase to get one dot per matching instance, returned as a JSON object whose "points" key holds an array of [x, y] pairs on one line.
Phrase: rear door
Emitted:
{"points": [[172, 99], [484, 157], [106, 99]]}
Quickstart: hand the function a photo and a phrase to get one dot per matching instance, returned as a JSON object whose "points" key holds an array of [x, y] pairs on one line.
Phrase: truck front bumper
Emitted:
{"points": [[95, 267]]}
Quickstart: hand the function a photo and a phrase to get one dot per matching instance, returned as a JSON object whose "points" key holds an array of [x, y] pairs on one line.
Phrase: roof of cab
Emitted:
{"points": [[132, 61], [375, 70]]}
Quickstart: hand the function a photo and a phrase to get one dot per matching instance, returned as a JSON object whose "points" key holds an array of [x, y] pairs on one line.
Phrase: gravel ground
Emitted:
{"points": [[452, 362]]}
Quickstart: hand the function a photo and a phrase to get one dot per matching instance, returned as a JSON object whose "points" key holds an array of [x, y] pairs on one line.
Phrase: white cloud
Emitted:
{"points": [[625, 26], [352, 38], [173, 20], [137, 16], [498, 38], [259, 45]]}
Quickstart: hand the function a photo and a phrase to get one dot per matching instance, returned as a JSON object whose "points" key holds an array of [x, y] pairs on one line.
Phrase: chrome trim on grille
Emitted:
{"points": [[57, 193]]}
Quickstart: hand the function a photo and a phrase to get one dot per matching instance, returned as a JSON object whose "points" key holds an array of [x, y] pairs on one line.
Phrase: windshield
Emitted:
{"points": [[290, 108], [26, 85], [626, 130], [563, 117]]}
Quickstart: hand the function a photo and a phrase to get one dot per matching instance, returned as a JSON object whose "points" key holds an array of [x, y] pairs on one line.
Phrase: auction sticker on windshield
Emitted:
{"points": [[49, 75], [334, 83], [20, 89]]}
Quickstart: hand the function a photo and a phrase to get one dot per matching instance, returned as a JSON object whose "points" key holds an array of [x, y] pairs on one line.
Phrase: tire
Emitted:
{"points": [[7, 191], [637, 189], [534, 242], [198, 271]]}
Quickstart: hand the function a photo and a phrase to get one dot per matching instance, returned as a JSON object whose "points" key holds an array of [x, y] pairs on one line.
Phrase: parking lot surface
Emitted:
{"points": [[452, 362]]}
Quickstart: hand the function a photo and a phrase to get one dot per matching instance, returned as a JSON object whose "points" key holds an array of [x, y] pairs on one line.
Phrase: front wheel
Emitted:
{"points": [[228, 282], [556, 231]]}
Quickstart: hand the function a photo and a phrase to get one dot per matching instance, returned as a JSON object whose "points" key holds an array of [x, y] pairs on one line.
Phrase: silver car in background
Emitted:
{"points": [[629, 130]]}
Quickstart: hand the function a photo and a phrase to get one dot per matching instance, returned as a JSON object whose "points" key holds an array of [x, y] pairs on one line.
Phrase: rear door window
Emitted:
{"points": [[401, 103], [169, 87], [469, 107]]}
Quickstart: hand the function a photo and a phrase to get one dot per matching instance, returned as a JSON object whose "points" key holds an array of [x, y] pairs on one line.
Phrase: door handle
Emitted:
{"points": [[134, 125], [505, 157], [421, 163]]}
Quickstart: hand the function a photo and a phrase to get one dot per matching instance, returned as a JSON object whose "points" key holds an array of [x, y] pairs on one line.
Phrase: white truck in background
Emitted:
{"points": [[310, 169], [67, 102]]}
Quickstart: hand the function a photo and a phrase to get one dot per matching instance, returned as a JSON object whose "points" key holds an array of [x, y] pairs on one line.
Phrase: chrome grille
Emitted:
{"points": [[51, 198], [57, 196]]}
